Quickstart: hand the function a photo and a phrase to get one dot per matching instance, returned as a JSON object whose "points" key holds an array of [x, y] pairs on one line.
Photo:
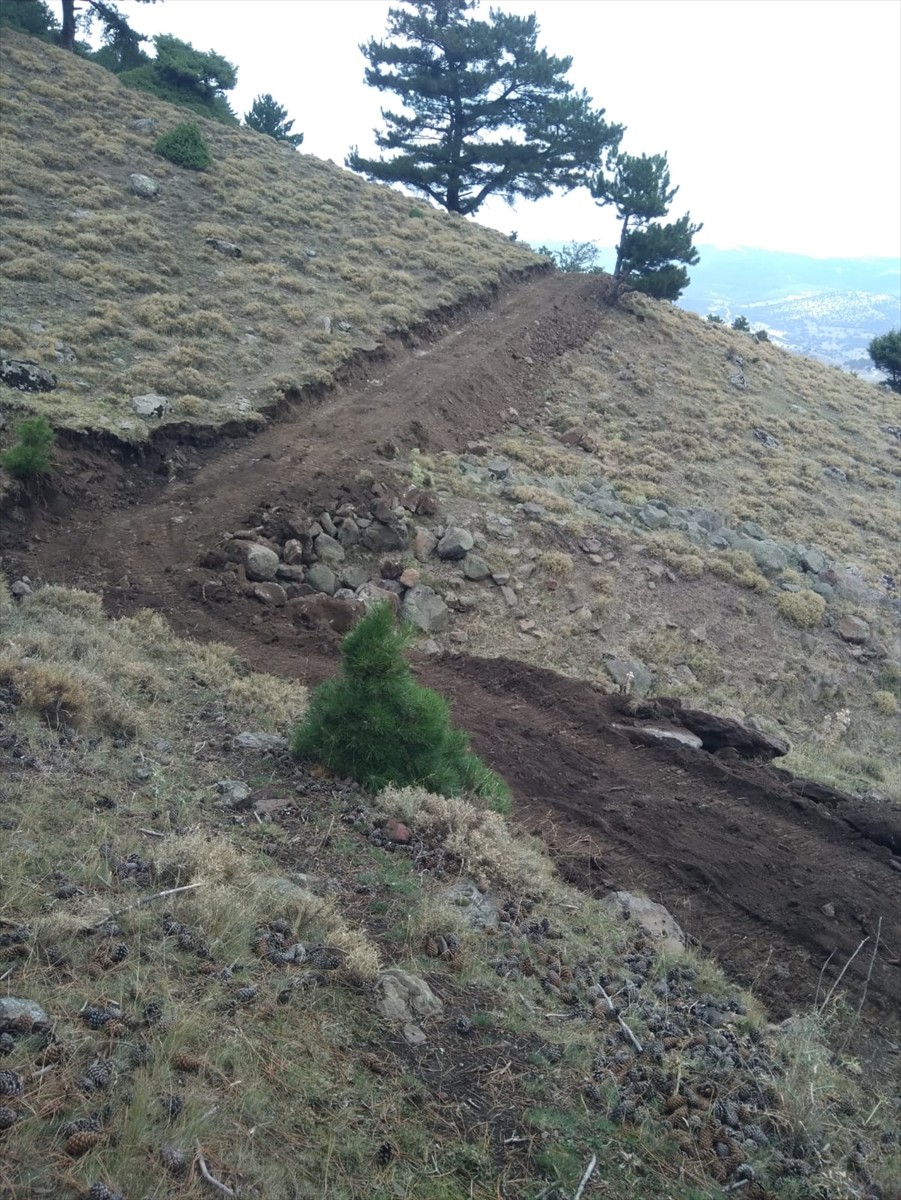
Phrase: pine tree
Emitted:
{"points": [[117, 31], [885, 352], [491, 113], [195, 79], [266, 116], [649, 253]]}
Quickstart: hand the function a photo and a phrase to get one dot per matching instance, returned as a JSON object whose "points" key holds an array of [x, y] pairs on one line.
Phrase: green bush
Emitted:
{"points": [[184, 146], [31, 453], [742, 325], [374, 723]]}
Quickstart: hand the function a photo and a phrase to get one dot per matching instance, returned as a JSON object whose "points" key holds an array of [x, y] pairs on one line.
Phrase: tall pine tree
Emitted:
{"points": [[651, 257], [487, 112], [266, 116]]}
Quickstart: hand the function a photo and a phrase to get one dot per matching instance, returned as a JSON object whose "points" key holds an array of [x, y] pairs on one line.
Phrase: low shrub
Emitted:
{"points": [[185, 146], [885, 703], [31, 453], [804, 609], [374, 723]]}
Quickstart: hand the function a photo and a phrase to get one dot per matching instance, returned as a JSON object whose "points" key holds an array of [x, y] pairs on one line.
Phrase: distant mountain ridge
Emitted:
{"points": [[827, 308]]}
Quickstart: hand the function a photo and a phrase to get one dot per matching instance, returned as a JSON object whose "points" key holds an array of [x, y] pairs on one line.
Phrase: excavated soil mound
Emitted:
{"points": [[773, 882]]}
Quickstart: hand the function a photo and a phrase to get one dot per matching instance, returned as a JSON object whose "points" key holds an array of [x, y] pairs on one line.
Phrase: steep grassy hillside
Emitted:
{"points": [[211, 967], [122, 296]]}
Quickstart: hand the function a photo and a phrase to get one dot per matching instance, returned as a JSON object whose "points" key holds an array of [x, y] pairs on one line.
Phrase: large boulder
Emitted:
{"points": [[455, 544], [632, 676], [328, 550], [425, 609], [653, 919], [144, 186], [25, 375], [381, 537], [151, 406], [260, 562], [321, 578]]}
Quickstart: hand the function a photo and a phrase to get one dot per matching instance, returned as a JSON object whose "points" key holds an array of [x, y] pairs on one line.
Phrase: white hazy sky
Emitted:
{"points": [[781, 118]]}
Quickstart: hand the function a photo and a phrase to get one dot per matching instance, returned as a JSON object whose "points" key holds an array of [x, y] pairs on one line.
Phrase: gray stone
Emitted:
{"points": [[479, 908], [682, 737], [151, 406], [510, 597], [260, 562], [290, 573], [768, 555], [811, 559], [349, 532], [144, 186], [25, 375], [381, 537], [853, 630], [533, 512], [425, 609], [144, 125], [835, 473], [499, 468], [270, 593], [20, 588], [64, 354], [475, 568], [455, 544], [321, 578], [632, 676], [653, 919], [653, 517], [235, 793], [229, 249], [424, 543], [355, 575], [260, 741], [346, 593], [706, 518], [372, 595], [501, 527], [401, 996], [14, 1008], [328, 525], [328, 549], [752, 530], [607, 506]]}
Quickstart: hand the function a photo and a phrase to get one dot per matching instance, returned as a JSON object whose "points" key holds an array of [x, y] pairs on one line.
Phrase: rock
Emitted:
{"points": [[533, 512], [475, 568], [270, 593], [653, 919], [290, 573], [371, 595], [852, 629], [321, 578], [752, 530], [510, 597], [64, 354], [404, 997], [328, 525], [653, 517], [14, 1009], [230, 249], [769, 555], [144, 125], [349, 532], [25, 375], [397, 832], [235, 793], [409, 577], [738, 379], [382, 537], [828, 910], [425, 609], [328, 549], [151, 406], [20, 588], [322, 612], [766, 439], [835, 473], [647, 735], [144, 186], [424, 543], [848, 584], [811, 559], [717, 733], [354, 575], [260, 562], [480, 908], [500, 468], [260, 741], [501, 527], [632, 676], [455, 544]]}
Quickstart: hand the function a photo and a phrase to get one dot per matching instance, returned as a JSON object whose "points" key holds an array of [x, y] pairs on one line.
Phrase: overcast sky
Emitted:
{"points": [[781, 118]]}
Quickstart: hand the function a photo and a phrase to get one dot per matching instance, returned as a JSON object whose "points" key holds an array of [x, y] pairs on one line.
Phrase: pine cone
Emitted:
{"points": [[8, 1117], [153, 1012], [172, 1105], [7, 1044], [96, 1018], [245, 995], [174, 1159], [431, 947], [705, 1138], [11, 1083], [99, 1191], [527, 966], [673, 1103], [566, 973], [89, 1124], [81, 1143], [384, 1154], [183, 1061]]}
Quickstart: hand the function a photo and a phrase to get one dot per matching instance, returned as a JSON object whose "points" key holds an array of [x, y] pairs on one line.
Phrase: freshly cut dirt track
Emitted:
{"points": [[744, 864]]}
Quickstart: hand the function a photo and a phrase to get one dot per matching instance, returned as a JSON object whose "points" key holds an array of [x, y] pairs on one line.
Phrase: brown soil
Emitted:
{"points": [[743, 862]]}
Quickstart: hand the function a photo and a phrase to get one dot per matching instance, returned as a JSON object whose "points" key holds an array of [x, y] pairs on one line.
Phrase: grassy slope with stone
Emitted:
{"points": [[330, 265], [189, 1025]]}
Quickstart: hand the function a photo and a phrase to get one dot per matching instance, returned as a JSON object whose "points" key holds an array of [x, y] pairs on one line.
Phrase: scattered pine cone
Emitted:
{"points": [[7, 1044], [705, 1138], [11, 1083], [8, 1117], [153, 1012], [172, 1105], [174, 1159], [566, 973], [183, 1061], [672, 1104], [99, 1191], [81, 1143], [245, 995], [89, 1124], [384, 1154], [431, 947]]}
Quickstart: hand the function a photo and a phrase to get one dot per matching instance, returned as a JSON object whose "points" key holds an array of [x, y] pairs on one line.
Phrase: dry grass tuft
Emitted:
{"points": [[805, 609]]}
